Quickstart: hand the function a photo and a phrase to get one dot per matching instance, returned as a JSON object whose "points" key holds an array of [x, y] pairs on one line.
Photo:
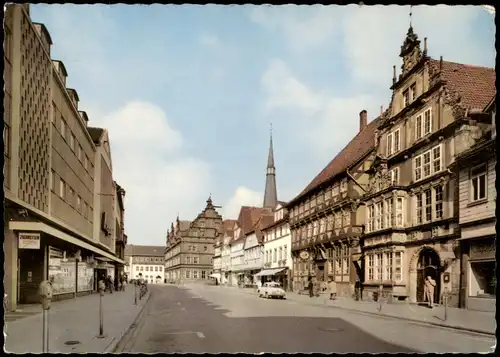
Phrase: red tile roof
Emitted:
{"points": [[475, 85], [249, 217], [358, 147]]}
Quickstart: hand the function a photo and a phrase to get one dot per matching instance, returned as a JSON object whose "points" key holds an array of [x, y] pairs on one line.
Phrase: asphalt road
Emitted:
{"points": [[214, 319]]}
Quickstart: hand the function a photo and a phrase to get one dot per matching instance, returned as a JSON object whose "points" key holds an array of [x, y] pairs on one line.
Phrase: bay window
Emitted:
{"points": [[378, 216], [388, 213], [428, 163], [371, 216], [478, 183], [388, 266], [384, 266], [399, 212], [398, 266], [429, 204]]}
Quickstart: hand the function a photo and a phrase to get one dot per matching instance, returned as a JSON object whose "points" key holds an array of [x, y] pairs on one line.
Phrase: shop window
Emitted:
{"points": [[203, 274], [482, 279]]}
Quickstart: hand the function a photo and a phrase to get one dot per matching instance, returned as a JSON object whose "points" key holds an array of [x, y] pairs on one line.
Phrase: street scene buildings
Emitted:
{"points": [[63, 209], [395, 233]]}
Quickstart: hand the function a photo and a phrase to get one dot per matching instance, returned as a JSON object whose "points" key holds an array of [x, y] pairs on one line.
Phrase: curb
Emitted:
{"points": [[119, 339], [361, 312]]}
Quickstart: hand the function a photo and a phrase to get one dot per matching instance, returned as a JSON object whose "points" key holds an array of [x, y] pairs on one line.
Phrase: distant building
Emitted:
{"points": [[190, 246], [147, 260], [221, 252]]}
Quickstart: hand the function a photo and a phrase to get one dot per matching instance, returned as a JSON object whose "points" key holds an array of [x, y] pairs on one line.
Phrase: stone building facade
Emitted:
{"points": [[49, 172], [326, 218], [221, 252], [411, 215], [190, 246]]}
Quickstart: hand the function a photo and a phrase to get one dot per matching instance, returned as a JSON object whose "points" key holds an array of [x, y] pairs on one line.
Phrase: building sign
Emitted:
{"points": [[483, 250], [29, 240], [304, 255]]}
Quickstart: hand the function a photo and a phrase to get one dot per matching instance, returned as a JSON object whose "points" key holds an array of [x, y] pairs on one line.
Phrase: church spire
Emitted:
{"points": [[270, 194]]}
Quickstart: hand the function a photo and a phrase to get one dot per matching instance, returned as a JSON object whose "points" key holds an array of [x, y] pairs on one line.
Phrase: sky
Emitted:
{"points": [[188, 93]]}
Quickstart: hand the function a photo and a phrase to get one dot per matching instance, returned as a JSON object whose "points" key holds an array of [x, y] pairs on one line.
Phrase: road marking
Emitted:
{"points": [[200, 335]]}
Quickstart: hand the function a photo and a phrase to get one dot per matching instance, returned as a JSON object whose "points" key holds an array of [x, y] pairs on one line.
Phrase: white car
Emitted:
{"points": [[271, 290]]}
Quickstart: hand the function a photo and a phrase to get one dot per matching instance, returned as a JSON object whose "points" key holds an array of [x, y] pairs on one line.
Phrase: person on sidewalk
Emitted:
{"points": [[332, 289], [429, 290], [109, 281], [310, 286]]}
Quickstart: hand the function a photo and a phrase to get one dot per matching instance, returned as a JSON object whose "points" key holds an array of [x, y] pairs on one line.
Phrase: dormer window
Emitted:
{"points": [[409, 95]]}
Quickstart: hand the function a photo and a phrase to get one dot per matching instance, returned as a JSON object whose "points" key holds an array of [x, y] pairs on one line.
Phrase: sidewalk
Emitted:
{"points": [[461, 319], [76, 320]]}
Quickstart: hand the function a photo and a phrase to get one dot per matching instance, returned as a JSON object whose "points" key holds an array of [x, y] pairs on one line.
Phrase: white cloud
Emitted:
{"points": [[210, 40], [159, 181], [243, 196], [316, 114]]}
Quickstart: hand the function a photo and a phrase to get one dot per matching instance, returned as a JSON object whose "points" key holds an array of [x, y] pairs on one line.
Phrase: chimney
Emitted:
{"points": [[440, 63], [425, 46], [362, 120], [393, 74]]}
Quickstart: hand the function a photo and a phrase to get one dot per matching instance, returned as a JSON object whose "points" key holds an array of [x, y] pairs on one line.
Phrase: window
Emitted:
{"points": [[371, 216], [483, 279], [281, 254], [335, 190], [79, 153], [478, 183], [147, 268], [156, 268], [63, 128], [438, 202], [399, 212], [388, 212], [205, 248], [203, 274], [275, 255], [195, 274], [338, 260], [398, 263], [343, 185], [86, 162], [6, 140], [330, 223], [322, 225], [413, 91], [338, 220], [388, 266], [428, 205], [378, 216], [72, 141], [309, 230], [71, 195], [195, 260], [346, 219], [393, 142], [423, 124], [62, 189], [378, 266], [370, 266], [188, 260], [53, 180], [188, 274], [285, 252], [428, 163], [394, 176], [406, 98]]}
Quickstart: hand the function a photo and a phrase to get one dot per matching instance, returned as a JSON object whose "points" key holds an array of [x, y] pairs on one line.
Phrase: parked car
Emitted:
{"points": [[271, 290]]}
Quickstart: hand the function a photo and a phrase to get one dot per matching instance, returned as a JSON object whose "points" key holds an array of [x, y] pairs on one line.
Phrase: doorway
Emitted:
{"points": [[428, 265]]}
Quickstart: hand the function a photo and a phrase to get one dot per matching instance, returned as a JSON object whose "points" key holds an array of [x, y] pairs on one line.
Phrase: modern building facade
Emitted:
{"points": [[327, 217], [190, 246], [49, 172], [146, 261], [277, 257], [411, 228], [477, 206]]}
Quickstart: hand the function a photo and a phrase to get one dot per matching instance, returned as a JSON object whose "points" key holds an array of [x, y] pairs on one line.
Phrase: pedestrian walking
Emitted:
{"points": [[109, 281], [332, 289], [310, 286]]}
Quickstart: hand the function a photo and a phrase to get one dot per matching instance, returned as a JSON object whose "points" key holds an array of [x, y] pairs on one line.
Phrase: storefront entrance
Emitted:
{"points": [[428, 265]]}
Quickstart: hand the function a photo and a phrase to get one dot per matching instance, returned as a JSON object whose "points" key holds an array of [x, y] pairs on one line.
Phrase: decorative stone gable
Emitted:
{"points": [[410, 51]]}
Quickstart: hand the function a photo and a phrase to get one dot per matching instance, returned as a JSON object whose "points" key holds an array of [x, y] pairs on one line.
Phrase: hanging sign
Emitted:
{"points": [[29, 240]]}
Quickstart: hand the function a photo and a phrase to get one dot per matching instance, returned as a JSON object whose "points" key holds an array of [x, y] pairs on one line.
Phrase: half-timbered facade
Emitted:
{"points": [[190, 246], [326, 217], [411, 212]]}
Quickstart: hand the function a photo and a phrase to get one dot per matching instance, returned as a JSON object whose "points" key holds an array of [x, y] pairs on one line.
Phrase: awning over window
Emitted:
{"points": [[269, 272]]}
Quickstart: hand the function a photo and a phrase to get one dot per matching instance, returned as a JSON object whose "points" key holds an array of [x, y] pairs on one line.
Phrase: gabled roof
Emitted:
{"points": [[475, 84], [144, 250], [361, 145], [227, 227]]}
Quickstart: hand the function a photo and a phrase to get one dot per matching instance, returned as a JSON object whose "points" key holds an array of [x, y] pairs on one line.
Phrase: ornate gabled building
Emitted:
{"points": [[326, 218], [190, 246], [411, 206]]}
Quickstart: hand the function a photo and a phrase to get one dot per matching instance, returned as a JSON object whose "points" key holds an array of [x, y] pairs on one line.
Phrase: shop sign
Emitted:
{"points": [[29, 240], [483, 250]]}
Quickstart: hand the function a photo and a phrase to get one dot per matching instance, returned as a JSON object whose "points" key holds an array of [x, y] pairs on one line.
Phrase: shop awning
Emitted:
{"points": [[42, 227], [215, 276], [269, 272]]}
